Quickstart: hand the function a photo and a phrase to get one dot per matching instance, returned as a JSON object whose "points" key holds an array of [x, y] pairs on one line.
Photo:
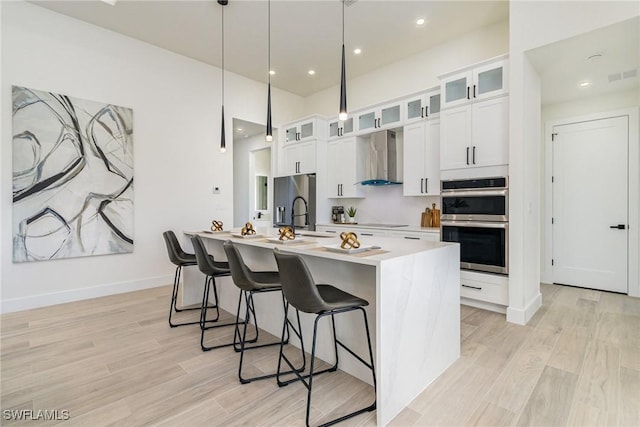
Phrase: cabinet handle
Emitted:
{"points": [[411, 238], [366, 234], [472, 287], [422, 112], [426, 185], [426, 109], [474, 155], [421, 185], [467, 155], [330, 231], [474, 91], [468, 97]]}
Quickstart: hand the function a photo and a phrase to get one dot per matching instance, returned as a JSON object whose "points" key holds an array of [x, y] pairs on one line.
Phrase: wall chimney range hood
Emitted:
{"points": [[383, 163]]}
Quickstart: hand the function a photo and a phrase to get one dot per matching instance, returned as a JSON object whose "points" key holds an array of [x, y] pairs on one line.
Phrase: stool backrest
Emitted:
{"points": [[240, 273], [205, 261], [173, 247], [298, 285]]}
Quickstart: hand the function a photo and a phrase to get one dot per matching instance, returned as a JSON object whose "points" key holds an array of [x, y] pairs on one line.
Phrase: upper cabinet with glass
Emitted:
{"points": [[382, 117], [310, 128], [339, 128], [422, 106], [484, 80]]}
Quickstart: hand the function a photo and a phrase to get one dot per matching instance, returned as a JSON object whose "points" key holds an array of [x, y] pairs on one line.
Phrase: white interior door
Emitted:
{"points": [[590, 201]]}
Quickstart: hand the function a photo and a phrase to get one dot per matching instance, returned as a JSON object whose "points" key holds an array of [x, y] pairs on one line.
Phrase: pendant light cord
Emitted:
{"points": [[269, 40], [342, 22], [223, 55]]}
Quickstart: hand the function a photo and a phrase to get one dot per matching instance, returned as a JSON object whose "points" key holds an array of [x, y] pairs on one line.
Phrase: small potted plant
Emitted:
{"points": [[351, 213]]}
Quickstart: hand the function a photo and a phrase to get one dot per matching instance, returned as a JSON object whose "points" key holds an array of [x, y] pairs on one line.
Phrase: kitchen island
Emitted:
{"points": [[413, 288]]}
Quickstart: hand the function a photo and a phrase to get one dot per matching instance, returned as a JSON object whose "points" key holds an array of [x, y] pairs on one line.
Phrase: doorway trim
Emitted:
{"points": [[633, 249]]}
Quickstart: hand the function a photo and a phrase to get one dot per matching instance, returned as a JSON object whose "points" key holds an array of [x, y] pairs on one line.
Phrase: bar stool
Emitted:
{"points": [[305, 295], [251, 282], [211, 269], [180, 259]]}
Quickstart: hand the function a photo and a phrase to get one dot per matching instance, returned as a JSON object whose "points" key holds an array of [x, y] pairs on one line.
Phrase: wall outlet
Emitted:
{"points": [[216, 190]]}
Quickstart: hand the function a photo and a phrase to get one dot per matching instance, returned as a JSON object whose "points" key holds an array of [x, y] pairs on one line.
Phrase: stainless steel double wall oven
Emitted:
{"points": [[475, 213]]}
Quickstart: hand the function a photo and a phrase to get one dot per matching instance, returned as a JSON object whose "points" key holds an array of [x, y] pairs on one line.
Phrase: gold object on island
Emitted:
{"points": [[286, 233], [216, 225], [349, 240], [248, 230]]}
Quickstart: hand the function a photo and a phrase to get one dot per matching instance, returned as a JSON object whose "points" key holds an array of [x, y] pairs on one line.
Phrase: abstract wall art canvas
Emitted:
{"points": [[72, 177]]}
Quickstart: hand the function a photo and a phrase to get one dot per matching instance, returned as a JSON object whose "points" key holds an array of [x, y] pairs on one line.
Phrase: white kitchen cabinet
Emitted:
{"points": [[422, 159], [346, 162], [433, 236], [481, 81], [491, 288], [382, 117], [339, 128], [299, 158], [302, 130], [422, 106], [475, 135]]}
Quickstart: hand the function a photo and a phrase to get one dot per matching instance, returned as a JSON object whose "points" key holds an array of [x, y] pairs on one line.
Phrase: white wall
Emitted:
{"points": [[414, 73], [176, 104], [533, 24], [243, 185]]}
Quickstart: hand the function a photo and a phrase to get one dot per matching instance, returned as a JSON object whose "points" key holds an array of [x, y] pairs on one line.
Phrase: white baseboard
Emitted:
{"points": [[521, 317], [43, 300]]}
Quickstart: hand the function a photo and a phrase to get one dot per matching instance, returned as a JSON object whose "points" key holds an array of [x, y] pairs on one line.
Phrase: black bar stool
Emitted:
{"points": [[250, 283], [180, 259], [305, 295], [211, 269]]}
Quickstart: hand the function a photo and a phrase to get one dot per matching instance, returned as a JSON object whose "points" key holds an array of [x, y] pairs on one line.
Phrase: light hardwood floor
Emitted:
{"points": [[115, 361]]}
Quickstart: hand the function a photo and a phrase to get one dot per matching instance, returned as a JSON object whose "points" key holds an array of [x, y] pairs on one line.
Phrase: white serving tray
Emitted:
{"points": [[337, 248], [286, 242], [250, 236]]}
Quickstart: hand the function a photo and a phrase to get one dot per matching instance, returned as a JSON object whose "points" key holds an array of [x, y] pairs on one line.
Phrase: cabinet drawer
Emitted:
{"points": [[484, 287]]}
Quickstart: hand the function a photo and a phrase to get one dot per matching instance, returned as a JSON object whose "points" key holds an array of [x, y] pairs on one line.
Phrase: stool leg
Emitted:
{"points": [[313, 355], [373, 370], [174, 295], [281, 356]]}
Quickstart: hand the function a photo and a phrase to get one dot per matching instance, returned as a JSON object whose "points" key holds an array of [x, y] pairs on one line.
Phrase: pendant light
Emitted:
{"points": [[343, 80], [223, 144], [269, 136]]}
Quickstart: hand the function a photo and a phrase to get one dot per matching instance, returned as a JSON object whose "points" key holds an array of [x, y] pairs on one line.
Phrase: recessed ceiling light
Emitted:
{"points": [[420, 21], [357, 51], [272, 72], [239, 129], [585, 83], [311, 72], [111, 2]]}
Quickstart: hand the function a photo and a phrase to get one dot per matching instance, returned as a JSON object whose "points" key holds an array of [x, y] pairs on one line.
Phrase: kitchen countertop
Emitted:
{"points": [[412, 228], [412, 286]]}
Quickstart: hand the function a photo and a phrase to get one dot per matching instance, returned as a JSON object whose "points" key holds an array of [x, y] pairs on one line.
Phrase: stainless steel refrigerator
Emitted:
{"points": [[285, 191]]}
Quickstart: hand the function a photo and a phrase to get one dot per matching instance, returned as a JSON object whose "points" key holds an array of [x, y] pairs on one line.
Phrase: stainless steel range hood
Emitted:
{"points": [[384, 166]]}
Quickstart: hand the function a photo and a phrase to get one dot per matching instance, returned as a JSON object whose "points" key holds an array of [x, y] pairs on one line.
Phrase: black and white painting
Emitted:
{"points": [[72, 177]]}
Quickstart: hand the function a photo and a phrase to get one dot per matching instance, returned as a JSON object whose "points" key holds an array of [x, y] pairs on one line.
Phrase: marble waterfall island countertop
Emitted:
{"points": [[413, 289]]}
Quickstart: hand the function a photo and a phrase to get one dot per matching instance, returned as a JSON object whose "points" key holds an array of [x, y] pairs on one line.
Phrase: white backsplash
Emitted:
{"points": [[387, 205]]}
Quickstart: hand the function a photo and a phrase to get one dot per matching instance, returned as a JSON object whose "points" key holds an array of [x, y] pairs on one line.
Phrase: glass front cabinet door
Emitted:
{"points": [[424, 106], [488, 80]]}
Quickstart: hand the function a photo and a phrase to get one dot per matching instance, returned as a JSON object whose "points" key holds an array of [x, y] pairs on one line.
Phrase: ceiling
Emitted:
{"points": [[245, 129], [305, 34], [562, 66]]}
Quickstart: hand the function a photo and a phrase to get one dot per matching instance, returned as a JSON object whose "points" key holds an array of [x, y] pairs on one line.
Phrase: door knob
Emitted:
{"points": [[619, 226]]}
